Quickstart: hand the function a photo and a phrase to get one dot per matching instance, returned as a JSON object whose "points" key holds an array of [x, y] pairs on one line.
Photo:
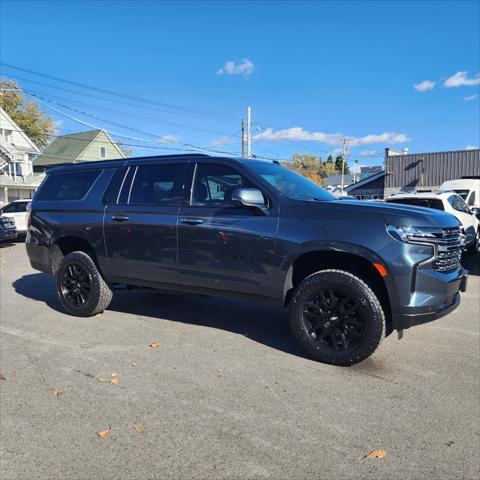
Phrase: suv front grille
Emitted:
{"points": [[448, 244], [449, 247], [447, 261]]}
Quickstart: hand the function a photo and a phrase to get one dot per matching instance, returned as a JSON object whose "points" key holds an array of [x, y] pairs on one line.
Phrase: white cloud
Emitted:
{"points": [[471, 147], [460, 79], [168, 139], [298, 133], [424, 86], [245, 68], [470, 98], [222, 141]]}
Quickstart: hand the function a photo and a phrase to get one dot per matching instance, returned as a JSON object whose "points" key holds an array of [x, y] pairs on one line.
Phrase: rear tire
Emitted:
{"points": [[337, 318], [81, 289]]}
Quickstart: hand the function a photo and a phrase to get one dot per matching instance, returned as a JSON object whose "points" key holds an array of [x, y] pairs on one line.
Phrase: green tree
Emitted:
{"points": [[338, 164], [37, 125]]}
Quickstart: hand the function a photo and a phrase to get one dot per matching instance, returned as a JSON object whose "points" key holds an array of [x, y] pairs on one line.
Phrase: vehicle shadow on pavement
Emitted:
{"points": [[259, 322]]}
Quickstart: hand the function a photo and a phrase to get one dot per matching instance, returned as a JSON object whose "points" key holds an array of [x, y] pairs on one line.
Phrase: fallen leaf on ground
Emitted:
{"points": [[115, 379], [100, 379], [376, 454], [104, 433], [2, 376], [135, 364], [58, 392], [140, 430], [154, 345]]}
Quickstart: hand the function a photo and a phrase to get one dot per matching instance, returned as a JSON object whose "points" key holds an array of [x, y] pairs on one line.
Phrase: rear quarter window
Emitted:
{"points": [[67, 186]]}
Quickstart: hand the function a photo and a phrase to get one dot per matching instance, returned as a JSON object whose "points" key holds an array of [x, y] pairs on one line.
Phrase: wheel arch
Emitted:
{"points": [[68, 243], [358, 262]]}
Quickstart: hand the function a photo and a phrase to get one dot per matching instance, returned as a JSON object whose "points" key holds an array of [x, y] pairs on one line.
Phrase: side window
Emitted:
{"points": [[458, 204], [471, 200], [157, 185], [67, 186], [214, 184]]}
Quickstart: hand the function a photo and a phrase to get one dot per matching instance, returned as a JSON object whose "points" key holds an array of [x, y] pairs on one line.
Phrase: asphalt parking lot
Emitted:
{"points": [[226, 394]]}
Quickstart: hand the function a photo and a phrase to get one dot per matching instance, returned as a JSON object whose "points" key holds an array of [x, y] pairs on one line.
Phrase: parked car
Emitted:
{"points": [[7, 229], [468, 189], [18, 211], [351, 272], [449, 202]]}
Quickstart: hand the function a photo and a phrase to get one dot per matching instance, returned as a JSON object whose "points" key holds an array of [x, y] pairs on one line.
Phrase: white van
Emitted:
{"points": [[468, 189]]}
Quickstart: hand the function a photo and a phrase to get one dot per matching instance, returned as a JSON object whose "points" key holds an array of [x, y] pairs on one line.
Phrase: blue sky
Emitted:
{"points": [[310, 71]]}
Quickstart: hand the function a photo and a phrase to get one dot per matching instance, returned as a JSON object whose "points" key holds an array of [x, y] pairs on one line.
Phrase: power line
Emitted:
{"points": [[120, 95]]}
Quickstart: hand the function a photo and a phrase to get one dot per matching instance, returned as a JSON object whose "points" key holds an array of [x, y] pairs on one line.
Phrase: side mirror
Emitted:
{"points": [[250, 197], [475, 211]]}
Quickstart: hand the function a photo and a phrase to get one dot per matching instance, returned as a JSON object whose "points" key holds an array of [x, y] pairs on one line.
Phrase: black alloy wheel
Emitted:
{"points": [[76, 284], [332, 318], [336, 317], [81, 288]]}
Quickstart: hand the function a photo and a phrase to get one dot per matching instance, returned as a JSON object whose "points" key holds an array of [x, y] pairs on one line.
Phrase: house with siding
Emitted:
{"points": [[17, 151], [78, 147]]}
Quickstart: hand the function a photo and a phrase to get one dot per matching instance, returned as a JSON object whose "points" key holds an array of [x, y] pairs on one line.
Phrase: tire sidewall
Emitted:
{"points": [[83, 259], [371, 313]]}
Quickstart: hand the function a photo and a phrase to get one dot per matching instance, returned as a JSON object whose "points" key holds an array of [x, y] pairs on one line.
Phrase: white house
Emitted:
{"points": [[16, 153]]}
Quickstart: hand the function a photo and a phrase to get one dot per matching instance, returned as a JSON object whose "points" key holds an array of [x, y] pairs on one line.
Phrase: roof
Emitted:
{"points": [[363, 182], [32, 148], [153, 158], [68, 148], [438, 194]]}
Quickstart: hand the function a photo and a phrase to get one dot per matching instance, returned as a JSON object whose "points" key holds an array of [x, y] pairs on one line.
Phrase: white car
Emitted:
{"points": [[18, 211], [450, 202]]}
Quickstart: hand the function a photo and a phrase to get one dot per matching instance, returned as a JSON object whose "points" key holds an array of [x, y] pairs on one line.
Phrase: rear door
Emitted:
{"points": [[141, 224], [222, 246]]}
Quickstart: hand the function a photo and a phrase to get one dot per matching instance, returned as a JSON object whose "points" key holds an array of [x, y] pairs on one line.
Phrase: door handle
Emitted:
{"points": [[191, 221], [120, 218]]}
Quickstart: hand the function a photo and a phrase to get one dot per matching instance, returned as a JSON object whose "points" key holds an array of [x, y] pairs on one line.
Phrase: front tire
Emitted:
{"points": [[81, 289], [337, 318]]}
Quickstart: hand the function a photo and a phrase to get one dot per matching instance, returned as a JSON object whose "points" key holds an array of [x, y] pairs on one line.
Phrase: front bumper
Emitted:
{"points": [[416, 315], [8, 234]]}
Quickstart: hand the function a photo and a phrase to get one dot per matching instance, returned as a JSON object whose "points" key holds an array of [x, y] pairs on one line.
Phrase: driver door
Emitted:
{"points": [[222, 246]]}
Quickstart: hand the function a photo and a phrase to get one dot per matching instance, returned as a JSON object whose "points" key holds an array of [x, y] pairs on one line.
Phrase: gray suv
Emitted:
{"points": [[350, 272]]}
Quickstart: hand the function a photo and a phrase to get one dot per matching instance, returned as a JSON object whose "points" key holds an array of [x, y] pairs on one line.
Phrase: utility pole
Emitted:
{"points": [[249, 135], [344, 155], [243, 139]]}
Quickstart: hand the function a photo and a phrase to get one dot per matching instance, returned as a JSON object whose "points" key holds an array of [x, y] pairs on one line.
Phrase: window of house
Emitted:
{"points": [[214, 185], [67, 186], [102, 152], [160, 185]]}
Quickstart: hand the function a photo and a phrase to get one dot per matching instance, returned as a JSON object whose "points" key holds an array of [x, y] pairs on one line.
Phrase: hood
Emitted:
{"points": [[394, 213]]}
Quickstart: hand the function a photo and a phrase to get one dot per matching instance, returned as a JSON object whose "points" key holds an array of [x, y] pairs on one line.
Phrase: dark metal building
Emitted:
{"points": [[427, 171]]}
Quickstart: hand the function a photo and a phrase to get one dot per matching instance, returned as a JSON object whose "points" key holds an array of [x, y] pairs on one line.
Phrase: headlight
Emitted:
{"points": [[409, 234]]}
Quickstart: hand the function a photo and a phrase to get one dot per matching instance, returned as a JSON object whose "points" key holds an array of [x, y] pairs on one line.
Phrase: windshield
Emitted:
{"points": [[462, 193], [291, 184]]}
